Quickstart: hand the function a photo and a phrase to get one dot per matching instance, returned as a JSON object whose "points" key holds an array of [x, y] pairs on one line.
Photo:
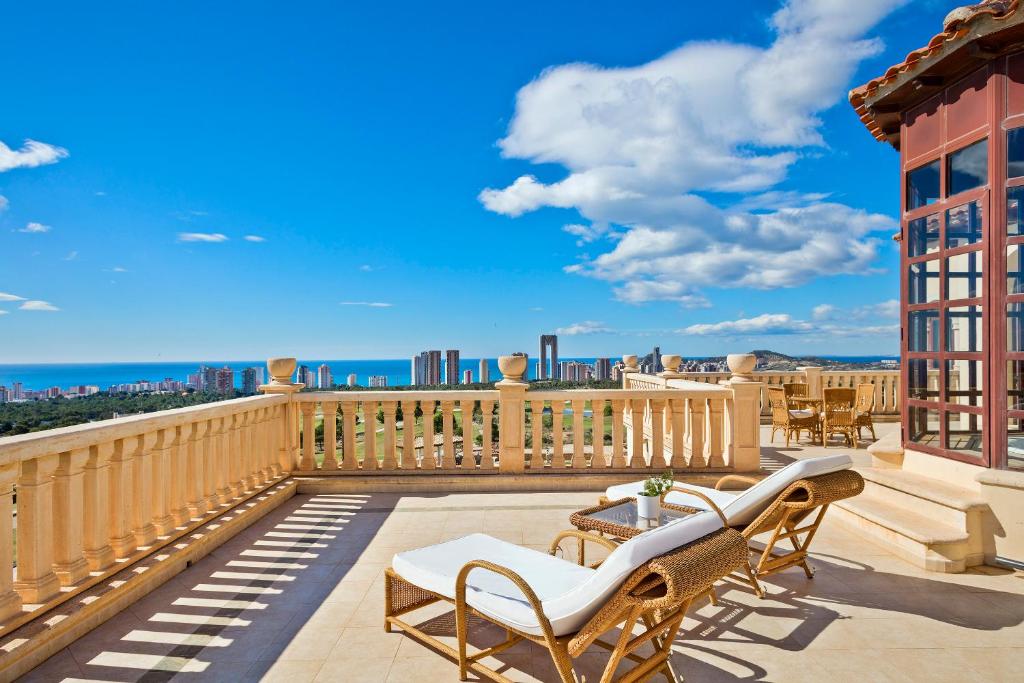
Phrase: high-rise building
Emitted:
{"points": [[548, 342], [305, 376], [427, 371], [195, 380], [225, 382], [484, 376], [603, 368], [378, 381], [451, 366], [17, 392], [467, 376], [3, 394], [324, 380], [656, 354], [209, 378], [250, 383], [416, 370], [351, 379]]}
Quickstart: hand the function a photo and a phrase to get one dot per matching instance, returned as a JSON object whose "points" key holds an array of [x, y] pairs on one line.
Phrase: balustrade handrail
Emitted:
{"points": [[36, 444], [696, 390], [396, 394]]}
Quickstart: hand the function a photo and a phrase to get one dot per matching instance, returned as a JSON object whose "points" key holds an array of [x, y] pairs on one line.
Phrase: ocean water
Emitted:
{"points": [[42, 376]]}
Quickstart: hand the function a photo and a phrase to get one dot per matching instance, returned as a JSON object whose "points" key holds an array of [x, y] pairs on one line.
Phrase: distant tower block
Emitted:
{"points": [[467, 376], [485, 371], [549, 341]]}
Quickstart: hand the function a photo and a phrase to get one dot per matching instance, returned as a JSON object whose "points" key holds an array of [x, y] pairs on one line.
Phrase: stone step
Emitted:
{"points": [[917, 538], [936, 500]]}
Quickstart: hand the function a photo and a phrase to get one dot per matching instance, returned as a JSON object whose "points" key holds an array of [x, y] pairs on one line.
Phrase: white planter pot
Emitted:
{"points": [[648, 507]]}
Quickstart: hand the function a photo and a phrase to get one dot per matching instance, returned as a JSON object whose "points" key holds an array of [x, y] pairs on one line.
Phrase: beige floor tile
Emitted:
{"points": [[280, 671], [355, 669]]}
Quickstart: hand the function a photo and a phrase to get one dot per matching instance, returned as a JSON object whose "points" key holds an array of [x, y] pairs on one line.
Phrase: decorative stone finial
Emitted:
{"points": [[630, 363], [741, 365], [512, 368], [281, 370], [671, 363]]}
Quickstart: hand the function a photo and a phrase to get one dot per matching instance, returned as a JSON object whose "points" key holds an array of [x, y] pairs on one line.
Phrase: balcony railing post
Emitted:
{"points": [[281, 371], [36, 581], [161, 481], [330, 411], [121, 504], [142, 490], [68, 524], [511, 416], [812, 377], [745, 416], [181, 452], [10, 601], [630, 365], [98, 476], [195, 471]]}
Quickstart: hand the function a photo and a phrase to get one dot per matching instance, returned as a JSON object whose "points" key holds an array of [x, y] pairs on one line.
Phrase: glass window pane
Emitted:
{"points": [[923, 282], [923, 330], [963, 328], [963, 382], [963, 276], [923, 235], [1014, 274], [963, 432], [1015, 327], [1014, 224], [968, 168], [923, 378], [963, 225], [923, 185], [1015, 385], [1015, 443], [1015, 153], [924, 425]]}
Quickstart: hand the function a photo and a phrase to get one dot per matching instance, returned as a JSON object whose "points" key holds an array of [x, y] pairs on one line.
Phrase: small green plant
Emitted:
{"points": [[657, 486]]}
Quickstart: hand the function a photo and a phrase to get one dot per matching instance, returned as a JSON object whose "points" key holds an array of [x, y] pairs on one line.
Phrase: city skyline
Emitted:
{"points": [[118, 212]]}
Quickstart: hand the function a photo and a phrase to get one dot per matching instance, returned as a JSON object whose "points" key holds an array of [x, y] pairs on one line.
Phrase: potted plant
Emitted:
{"points": [[648, 500]]}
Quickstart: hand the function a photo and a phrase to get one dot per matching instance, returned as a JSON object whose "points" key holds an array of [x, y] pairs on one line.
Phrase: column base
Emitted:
{"points": [[145, 535], [197, 509], [100, 558], [71, 573], [224, 496], [38, 590], [181, 516], [164, 525], [10, 606], [123, 546]]}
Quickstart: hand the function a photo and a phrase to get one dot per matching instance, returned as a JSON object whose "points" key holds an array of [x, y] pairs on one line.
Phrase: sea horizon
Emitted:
{"points": [[37, 376]]}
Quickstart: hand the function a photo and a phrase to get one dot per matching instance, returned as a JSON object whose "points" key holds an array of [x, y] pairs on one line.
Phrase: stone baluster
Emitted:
{"points": [[97, 523], [272, 432], [348, 435], [558, 434], [211, 465], [195, 470], [161, 481], [448, 430], [236, 474], [181, 451], [222, 437], [370, 461], [716, 433], [537, 435], [637, 406], [308, 461], [408, 435], [68, 523], [468, 439], [121, 502], [10, 601], [618, 419], [247, 452], [35, 580], [678, 419], [487, 436], [696, 419], [579, 458], [142, 489], [657, 433], [511, 425], [598, 458], [330, 411], [430, 460], [744, 416], [389, 408]]}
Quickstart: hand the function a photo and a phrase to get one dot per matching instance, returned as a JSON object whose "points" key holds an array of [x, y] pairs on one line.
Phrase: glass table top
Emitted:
{"points": [[625, 514]]}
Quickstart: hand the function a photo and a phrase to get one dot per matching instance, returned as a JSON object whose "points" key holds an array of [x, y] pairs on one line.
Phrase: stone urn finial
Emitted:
{"points": [[512, 368], [630, 363], [671, 363], [281, 370], [742, 366]]}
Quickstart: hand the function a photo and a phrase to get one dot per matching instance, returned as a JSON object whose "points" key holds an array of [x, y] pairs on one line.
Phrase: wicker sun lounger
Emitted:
{"points": [[645, 583]]}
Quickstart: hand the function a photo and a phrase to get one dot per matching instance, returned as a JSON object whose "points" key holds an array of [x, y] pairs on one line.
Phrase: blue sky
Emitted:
{"points": [[630, 174]]}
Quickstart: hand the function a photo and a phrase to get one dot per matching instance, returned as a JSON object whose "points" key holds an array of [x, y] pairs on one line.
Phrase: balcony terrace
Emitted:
{"points": [[219, 543]]}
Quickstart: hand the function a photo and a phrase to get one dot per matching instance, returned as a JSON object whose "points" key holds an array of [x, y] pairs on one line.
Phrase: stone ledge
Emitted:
{"points": [[1004, 478], [904, 522], [926, 488]]}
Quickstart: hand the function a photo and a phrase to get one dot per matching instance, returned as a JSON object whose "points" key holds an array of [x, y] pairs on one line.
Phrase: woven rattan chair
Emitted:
{"points": [[646, 582], [865, 406], [777, 504], [789, 420], [795, 389], [838, 414]]}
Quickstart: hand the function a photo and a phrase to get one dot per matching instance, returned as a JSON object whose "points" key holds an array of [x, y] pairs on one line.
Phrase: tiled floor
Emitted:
{"points": [[299, 597]]}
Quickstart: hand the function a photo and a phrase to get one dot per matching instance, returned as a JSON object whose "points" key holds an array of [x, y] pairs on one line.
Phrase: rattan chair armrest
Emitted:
{"points": [[734, 477], [520, 583], [703, 497], [583, 536]]}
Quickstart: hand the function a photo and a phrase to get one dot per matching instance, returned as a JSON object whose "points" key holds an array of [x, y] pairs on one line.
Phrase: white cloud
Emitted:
{"points": [[100, 194], [366, 268], [72, 255], [3, 312], [36, 228], [37, 306], [4, 296], [202, 237], [585, 327], [586, 233], [640, 291], [371, 304], [254, 238], [33, 153], [823, 311], [117, 269], [885, 310], [641, 145], [3, 202], [767, 323]]}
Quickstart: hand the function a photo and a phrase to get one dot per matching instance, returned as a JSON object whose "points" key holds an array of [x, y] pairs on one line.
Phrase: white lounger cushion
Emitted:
{"points": [[743, 507], [569, 594]]}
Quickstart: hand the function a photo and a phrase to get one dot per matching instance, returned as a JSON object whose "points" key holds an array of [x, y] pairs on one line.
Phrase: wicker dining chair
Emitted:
{"points": [[865, 406], [789, 420], [839, 414], [798, 389]]}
